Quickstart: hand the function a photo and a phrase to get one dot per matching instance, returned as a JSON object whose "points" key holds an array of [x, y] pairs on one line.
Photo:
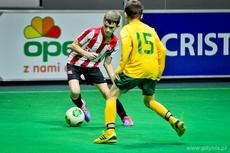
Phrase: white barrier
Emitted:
{"points": [[34, 44]]}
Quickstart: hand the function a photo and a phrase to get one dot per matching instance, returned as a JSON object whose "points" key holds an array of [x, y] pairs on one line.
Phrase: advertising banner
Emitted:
{"points": [[34, 45], [197, 43]]}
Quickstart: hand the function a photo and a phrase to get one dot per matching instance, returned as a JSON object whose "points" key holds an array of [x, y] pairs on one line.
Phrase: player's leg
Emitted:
{"points": [[121, 86], [166, 114], [110, 116], [95, 77], [104, 89], [148, 90], [75, 92], [73, 74], [127, 120]]}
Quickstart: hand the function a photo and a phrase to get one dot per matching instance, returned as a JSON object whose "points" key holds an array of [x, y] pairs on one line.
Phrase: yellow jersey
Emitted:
{"points": [[143, 54]]}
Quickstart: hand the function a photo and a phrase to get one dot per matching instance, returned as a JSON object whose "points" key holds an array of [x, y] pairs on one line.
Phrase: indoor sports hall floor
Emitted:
{"points": [[32, 120]]}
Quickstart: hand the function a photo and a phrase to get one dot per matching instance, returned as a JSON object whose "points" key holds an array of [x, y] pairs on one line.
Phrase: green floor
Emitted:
{"points": [[32, 121]]}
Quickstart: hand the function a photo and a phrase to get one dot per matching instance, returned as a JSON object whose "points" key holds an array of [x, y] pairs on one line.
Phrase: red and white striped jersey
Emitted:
{"points": [[93, 40]]}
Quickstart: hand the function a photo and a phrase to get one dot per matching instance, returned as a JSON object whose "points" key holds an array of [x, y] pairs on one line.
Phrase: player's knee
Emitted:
{"points": [[148, 100], [75, 92], [104, 92], [147, 104], [105, 95]]}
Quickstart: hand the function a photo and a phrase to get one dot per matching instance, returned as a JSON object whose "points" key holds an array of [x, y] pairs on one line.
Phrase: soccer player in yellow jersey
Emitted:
{"points": [[142, 64]]}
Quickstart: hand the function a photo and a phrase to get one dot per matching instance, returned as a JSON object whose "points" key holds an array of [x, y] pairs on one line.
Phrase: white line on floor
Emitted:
{"points": [[95, 90]]}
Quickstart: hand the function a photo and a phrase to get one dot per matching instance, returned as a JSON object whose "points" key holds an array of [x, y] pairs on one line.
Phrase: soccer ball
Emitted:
{"points": [[74, 116]]}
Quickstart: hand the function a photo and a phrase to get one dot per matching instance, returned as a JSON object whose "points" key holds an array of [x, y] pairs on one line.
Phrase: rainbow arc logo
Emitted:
{"points": [[42, 28]]}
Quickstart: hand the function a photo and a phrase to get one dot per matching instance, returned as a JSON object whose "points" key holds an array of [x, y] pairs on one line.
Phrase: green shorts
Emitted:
{"points": [[126, 83]]}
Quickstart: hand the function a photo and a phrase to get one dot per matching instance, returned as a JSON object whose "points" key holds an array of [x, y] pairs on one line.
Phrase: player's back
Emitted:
{"points": [[143, 59]]}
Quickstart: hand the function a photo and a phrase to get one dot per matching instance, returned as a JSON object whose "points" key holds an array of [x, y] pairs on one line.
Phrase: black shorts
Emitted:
{"points": [[92, 75]]}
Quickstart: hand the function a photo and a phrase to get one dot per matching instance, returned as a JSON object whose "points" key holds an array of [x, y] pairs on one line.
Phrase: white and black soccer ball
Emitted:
{"points": [[74, 116]]}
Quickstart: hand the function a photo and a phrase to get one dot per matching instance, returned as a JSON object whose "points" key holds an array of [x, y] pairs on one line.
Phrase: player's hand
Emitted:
{"points": [[116, 76], [158, 78], [91, 56]]}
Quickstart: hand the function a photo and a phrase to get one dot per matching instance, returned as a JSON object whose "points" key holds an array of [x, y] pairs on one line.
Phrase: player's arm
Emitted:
{"points": [[108, 67], [76, 46], [161, 50], [126, 49]]}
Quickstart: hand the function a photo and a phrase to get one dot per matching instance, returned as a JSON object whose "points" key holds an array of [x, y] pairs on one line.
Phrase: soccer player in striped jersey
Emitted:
{"points": [[141, 65], [90, 48]]}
